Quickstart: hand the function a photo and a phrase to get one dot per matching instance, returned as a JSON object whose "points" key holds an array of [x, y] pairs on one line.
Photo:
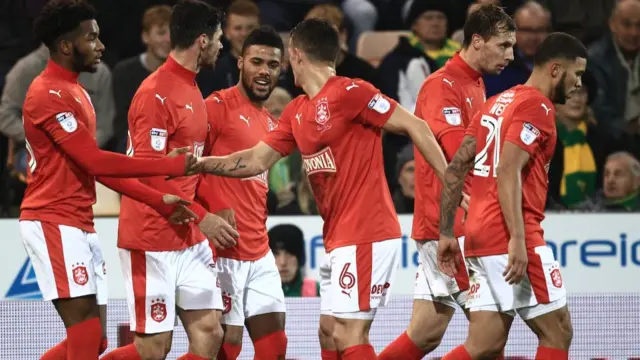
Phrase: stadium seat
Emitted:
{"points": [[374, 45], [107, 201]]}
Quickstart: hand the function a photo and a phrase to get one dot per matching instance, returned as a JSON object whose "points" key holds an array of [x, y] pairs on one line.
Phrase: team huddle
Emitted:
{"points": [[192, 233]]}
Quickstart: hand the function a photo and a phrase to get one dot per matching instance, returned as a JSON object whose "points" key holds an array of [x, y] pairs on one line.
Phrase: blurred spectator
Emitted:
{"points": [[299, 200], [347, 64], [287, 243], [363, 16], [614, 62], [129, 73], [402, 72], [403, 196], [576, 168], [533, 24], [621, 183], [584, 19], [243, 16], [98, 86]]}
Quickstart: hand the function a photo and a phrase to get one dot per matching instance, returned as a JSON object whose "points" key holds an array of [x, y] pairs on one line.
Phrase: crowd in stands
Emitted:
{"points": [[595, 167]]}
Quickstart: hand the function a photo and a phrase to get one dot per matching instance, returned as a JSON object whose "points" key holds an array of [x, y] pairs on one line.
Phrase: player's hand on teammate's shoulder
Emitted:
{"points": [[448, 255], [180, 214], [517, 266], [229, 216], [218, 231], [191, 165]]}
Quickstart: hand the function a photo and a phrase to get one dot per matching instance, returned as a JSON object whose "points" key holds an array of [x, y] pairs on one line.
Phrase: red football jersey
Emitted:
{"points": [[237, 125], [447, 101], [167, 112], [58, 191], [525, 117], [338, 133]]}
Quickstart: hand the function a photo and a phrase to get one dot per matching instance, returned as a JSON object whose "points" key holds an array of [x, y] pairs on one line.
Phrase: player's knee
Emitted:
{"points": [[348, 333], [560, 335], [216, 334], [425, 340], [325, 333], [154, 348], [233, 335]]}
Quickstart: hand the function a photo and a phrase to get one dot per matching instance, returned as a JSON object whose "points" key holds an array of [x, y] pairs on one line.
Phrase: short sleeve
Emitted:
{"points": [[281, 138], [149, 130], [532, 124], [441, 107], [54, 114], [216, 115], [364, 103]]}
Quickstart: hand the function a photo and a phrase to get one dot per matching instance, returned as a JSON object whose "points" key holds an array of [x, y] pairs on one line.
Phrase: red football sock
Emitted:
{"points": [[191, 356], [271, 347], [229, 352], [58, 352], [402, 348], [83, 340], [545, 353], [459, 353], [330, 355], [359, 352], [128, 352]]}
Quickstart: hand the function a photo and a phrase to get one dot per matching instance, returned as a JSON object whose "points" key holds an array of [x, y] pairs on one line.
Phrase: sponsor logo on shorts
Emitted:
{"points": [[80, 274], [158, 310], [322, 161], [226, 302], [380, 290], [347, 280], [556, 277]]}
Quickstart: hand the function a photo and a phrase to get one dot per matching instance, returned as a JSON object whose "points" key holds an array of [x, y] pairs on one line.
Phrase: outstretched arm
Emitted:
{"points": [[241, 164], [454, 177], [405, 123]]}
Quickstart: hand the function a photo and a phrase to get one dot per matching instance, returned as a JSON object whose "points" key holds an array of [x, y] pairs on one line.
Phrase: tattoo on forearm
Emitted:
{"points": [[238, 165], [453, 183], [217, 168]]}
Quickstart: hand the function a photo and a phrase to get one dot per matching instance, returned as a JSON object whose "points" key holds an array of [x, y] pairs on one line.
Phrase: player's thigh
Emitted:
{"points": [[203, 330], [488, 332], [198, 295], [150, 285], [324, 272], [264, 299], [232, 276], [429, 321], [361, 278]]}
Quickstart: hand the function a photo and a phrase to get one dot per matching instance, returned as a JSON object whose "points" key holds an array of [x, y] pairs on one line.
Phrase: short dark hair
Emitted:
{"points": [[59, 18], [264, 35], [190, 19], [487, 21], [318, 39], [559, 45]]}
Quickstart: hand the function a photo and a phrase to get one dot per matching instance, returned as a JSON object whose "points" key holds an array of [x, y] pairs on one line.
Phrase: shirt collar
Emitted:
{"points": [[182, 72], [459, 63], [55, 70]]}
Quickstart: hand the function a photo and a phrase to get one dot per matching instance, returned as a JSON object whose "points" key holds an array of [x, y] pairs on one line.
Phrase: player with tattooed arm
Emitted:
{"points": [[509, 145]]}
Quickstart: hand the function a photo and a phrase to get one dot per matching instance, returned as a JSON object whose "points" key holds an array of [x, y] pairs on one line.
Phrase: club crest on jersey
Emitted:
{"points": [[226, 302], [80, 274], [529, 133], [379, 104], [271, 125], [158, 310], [67, 121], [322, 161], [159, 139], [323, 115], [452, 115]]}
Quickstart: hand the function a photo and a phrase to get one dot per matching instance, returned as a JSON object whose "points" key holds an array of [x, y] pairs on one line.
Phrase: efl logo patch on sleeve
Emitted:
{"points": [[529, 133], [159, 139], [67, 121], [452, 115], [379, 104]]}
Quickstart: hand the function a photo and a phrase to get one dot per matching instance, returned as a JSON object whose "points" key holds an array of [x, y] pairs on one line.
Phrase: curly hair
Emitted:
{"points": [[60, 17]]}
